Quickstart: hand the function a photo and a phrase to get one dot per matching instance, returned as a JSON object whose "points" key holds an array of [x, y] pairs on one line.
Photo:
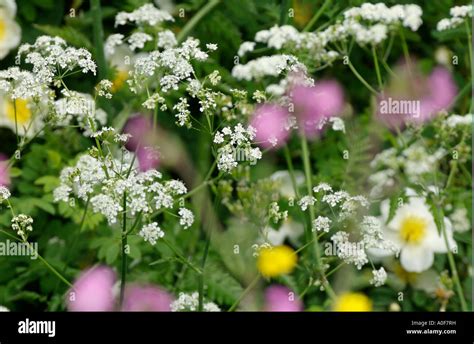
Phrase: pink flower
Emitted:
{"points": [[140, 129], [279, 298], [314, 104], [414, 97], [4, 172], [148, 158], [92, 291], [146, 298], [270, 121]]}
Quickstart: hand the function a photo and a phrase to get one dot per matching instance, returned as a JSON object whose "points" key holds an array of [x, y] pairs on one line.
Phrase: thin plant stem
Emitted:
{"points": [[194, 20], [201, 275], [123, 272], [181, 257], [377, 68], [98, 33], [291, 170], [309, 234], [316, 16], [244, 293], [285, 4], [361, 79]]}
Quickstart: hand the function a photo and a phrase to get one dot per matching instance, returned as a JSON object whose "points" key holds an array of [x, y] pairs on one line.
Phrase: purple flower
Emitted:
{"points": [[270, 122], [312, 105], [92, 291], [4, 172], [140, 129], [148, 158], [146, 298], [279, 298], [415, 98]]}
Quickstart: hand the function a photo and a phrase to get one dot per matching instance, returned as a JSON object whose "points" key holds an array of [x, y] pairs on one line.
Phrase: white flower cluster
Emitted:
{"points": [[51, 57], [144, 15], [371, 23], [186, 218], [459, 219], [80, 107], [275, 214], [172, 65], [103, 88], [415, 160], [267, 66], [349, 252], [379, 277], [22, 84], [4, 194], [459, 14], [190, 303], [306, 201], [106, 182], [22, 224], [321, 224], [236, 146], [454, 121], [151, 233], [372, 236]]}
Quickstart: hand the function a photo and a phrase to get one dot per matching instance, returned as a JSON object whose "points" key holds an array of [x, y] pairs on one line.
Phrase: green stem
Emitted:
{"points": [[377, 68], [16, 123], [452, 265], [181, 257], [361, 79], [194, 20], [469, 38], [286, 151], [285, 5], [316, 16], [98, 33], [49, 266], [406, 53], [201, 276], [244, 293], [123, 273], [309, 234]]}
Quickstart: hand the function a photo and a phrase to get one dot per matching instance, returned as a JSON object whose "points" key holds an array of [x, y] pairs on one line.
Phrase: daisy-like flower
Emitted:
{"points": [[10, 31], [413, 230]]}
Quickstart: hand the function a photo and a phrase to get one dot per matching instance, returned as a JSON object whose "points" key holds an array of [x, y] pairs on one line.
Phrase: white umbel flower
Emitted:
{"points": [[4, 194], [186, 218], [379, 277], [190, 303], [151, 233]]}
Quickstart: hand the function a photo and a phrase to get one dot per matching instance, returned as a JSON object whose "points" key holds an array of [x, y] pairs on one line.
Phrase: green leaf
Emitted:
{"points": [[49, 182], [112, 253]]}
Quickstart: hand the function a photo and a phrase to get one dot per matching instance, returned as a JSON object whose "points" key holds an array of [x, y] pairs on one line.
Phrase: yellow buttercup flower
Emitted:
{"points": [[276, 261], [119, 80], [23, 112], [353, 302]]}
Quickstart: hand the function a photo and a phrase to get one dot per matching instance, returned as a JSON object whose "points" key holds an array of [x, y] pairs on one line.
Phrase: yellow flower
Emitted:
{"points": [[20, 110], [120, 77], [353, 302], [276, 261]]}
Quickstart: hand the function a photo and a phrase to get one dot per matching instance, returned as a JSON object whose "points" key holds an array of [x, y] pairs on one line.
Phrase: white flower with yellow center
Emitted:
{"points": [[19, 116], [413, 230], [10, 31]]}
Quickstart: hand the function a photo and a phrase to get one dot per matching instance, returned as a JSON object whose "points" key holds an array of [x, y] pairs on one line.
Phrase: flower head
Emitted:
{"points": [[146, 299], [276, 261], [279, 298], [353, 302], [92, 291]]}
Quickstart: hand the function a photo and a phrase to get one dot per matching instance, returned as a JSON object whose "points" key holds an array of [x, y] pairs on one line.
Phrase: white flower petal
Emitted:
{"points": [[416, 258]]}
